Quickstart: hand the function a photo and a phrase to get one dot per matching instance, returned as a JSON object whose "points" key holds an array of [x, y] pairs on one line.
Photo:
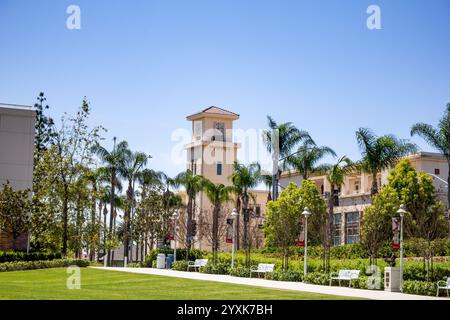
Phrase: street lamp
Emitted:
{"points": [[234, 215], [175, 216], [401, 211], [306, 213]]}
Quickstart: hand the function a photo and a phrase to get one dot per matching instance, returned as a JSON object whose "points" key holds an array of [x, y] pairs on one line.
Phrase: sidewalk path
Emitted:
{"points": [[296, 286]]}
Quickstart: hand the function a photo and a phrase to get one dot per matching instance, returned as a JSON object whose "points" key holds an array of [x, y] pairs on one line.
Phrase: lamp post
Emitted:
{"points": [[175, 216], [401, 211], [306, 213], [234, 215]]}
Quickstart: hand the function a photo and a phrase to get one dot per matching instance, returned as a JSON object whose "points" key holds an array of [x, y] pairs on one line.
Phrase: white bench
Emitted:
{"points": [[442, 285], [345, 275], [197, 264], [263, 268]]}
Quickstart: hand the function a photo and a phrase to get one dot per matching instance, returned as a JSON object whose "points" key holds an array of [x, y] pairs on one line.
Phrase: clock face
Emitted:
{"points": [[198, 130]]}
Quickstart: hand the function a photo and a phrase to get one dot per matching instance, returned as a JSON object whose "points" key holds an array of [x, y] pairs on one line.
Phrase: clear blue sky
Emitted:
{"points": [[145, 65]]}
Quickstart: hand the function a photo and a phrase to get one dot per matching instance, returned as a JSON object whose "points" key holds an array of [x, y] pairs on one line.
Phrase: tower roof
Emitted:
{"points": [[213, 111]]}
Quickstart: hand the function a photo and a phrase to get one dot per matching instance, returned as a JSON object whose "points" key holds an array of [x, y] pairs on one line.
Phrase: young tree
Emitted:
{"points": [[439, 138], [283, 219], [379, 153], [15, 208]]}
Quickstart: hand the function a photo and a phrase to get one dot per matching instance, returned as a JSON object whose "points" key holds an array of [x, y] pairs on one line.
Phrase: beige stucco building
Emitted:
{"points": [[16, 155], [354, 196], [212, 154]]}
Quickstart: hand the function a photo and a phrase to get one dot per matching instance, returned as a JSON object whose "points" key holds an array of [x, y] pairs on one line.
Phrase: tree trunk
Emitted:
{"points": [[111, 211], [238, 223], [330, 227], [126, 242], [65, 220], [189, 221], [215, 235], [246, 235], [374, 189]]}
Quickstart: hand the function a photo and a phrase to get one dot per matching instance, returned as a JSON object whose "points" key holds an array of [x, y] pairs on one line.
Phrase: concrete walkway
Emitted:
{"points": [[295, 286]]}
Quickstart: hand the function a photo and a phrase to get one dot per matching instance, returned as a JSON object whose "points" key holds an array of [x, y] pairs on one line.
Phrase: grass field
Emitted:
{"points": [[50, 284]]}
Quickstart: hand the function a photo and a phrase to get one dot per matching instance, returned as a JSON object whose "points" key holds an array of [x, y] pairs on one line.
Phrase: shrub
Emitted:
{"points": [[291, 276], [180, 265], [419, 288], [33, 265], [241, 272], [219, 268], [135, 265], [318, 278], [12, 256]]}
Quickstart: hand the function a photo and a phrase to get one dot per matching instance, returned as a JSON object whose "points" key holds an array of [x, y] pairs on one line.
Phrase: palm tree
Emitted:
{"points": [[307, 156], [114, 162], [218, 194], [438, 138], [379, 153], [288, 137], [335, 176], [130, 171], [193, 184], [243, 179]]}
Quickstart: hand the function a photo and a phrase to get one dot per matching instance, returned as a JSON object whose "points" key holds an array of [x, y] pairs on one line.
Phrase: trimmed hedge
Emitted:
{"points": [[180, 265], [34, 265], [420, 288], [11, 256]]}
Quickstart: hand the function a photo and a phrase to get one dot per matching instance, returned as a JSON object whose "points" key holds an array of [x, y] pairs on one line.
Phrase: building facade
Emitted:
{"points": [[16, 157], [212, 154], [354, 195]]}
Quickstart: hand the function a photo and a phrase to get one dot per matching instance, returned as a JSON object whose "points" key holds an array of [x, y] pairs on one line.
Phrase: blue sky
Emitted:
{"points": [[145, 65]]}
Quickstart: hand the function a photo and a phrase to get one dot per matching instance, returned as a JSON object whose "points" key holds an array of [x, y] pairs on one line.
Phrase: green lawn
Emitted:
{"points": [[50, 284]]}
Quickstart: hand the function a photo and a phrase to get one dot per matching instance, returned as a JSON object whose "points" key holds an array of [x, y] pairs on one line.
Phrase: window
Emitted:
{"points": [[219, 131], [219, 168], [357, 186], [437, 172], [352, 227], [258, 211], [337, 222]]}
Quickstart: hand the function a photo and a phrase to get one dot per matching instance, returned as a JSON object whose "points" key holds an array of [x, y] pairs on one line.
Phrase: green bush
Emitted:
{"points": [[318, 278], [291, 276], [219, 268], [420, 288], [12, 256], [180, 265], [135, 265], [33, 265], [241, 272]]}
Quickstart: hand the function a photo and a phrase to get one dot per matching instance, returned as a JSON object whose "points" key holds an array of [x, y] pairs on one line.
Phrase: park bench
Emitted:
{"points": [[442, 285], [197, 264], [263, 268], [345, 275]]}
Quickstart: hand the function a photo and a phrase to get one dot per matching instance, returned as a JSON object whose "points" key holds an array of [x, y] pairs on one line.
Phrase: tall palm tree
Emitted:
{"points": [[288, 137], [113, 162], [438, 138], [335, 176], [379, 153], [218, 194], [193, 184], [130, 171], [307, 156], [243, 179]]}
